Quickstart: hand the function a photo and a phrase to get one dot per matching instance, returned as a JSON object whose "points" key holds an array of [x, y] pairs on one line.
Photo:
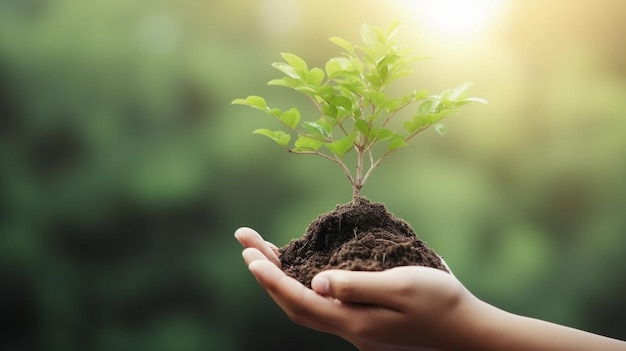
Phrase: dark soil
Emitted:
{"points": [[361, 236]]}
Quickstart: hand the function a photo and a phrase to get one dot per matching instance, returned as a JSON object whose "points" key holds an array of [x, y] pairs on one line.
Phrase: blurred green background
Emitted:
{"points": [[125, 169]]}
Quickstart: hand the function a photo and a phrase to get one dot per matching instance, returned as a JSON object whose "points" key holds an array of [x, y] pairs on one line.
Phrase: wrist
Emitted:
{"points": [[473, 325], [484, 327]]}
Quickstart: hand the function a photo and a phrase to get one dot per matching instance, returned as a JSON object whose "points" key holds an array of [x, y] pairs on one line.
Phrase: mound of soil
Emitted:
{"points": [[361, 236]]}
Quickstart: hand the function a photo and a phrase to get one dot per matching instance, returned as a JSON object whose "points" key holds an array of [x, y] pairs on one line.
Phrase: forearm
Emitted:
{"points": [[495, 330]]}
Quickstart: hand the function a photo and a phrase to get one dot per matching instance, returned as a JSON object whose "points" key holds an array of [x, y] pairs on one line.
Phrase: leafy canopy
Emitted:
{"points": [[354, 110]]}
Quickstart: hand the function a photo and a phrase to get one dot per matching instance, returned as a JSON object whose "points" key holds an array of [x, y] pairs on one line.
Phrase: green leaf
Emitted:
{"points": [[291, 117], [341, 146], [284, 82], [296, 62], [384, 134], [387, 61], [458, 94], [329, 110], [423, 121], [420, 94], [307, 89], [315, 77], [442, 114], [351, 85], [429, 105], [307, 143], [268, 133], [383, 71], [399, 74], [341, 101], [461, 91], [362, 126], [441, 129], [369, 35], [280, 137], [392, 29], [391, 105], [412, 126], [414, 96], [337, 66], [319, 128], [275, 112], [377, 98], [326, 92], [358, 65], [343, 43], [252, 101], [374, 79], [396, 143], [287, 69]]}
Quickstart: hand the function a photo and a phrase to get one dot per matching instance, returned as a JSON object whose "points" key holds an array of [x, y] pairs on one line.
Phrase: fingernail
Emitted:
{"points": [[321, 285], [245, 254], [237, 233]]}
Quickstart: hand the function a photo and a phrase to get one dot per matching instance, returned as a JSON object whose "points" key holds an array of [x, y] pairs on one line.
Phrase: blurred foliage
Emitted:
{"points": [[125, 170]]}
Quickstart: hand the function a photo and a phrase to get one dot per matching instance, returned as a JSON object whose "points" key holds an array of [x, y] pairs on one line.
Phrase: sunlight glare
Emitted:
{"points": [[458, 18]]}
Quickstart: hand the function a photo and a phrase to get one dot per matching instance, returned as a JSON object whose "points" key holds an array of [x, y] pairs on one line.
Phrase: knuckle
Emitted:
{"points": [[405, 290]]}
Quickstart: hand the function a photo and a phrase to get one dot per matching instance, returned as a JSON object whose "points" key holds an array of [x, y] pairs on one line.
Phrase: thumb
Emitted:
{"points": [[378, 288]]}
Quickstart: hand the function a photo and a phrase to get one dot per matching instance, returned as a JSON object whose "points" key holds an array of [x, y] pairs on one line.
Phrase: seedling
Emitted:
{"points": [[354, 110]]}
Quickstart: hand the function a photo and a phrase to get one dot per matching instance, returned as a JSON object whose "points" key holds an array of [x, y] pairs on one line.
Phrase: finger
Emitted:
{"points": [[251, 254], [354, 286], [301, 304], [386, 288], [250, 238]]}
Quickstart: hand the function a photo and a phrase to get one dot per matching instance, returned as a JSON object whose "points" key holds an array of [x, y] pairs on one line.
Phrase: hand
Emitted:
{"points": [[404, 308]]}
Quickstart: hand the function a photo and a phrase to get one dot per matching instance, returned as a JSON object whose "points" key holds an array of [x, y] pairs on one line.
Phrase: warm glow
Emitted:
{"points": [[458, 18]]}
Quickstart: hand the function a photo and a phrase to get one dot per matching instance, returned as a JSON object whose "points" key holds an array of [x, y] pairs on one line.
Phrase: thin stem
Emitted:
{"points": [[373, 165], [317, 105], [342, 165], [390, 116], [415, 133], [358, 181], [345, 170], [371, 155], [340, 124], [327, 140]]}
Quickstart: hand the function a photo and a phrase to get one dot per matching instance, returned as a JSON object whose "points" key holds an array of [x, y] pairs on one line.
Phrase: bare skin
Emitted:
{"points": [[406, 308]]}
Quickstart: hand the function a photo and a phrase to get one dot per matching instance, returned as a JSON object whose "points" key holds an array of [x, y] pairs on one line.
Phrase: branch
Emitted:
{"points": [[415, 133], [335, 159], [317, 105], [340, 124], [372, 167], [391, 115], [373, 164]]}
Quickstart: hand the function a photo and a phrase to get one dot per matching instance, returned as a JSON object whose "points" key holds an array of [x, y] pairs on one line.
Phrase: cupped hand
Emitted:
{"points": [[403, 308], [249, 238]]}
